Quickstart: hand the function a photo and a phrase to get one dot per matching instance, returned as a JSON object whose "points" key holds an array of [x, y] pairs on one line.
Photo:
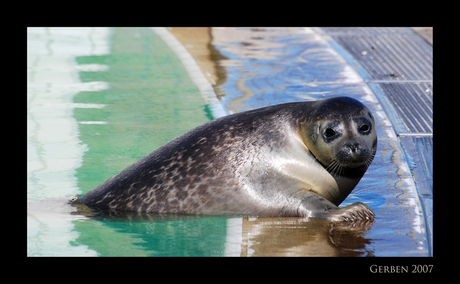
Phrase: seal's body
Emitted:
{"points": [[295, 159]]}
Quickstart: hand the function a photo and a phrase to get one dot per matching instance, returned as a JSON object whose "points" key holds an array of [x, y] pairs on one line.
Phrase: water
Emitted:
{"points": [[99, 99]]}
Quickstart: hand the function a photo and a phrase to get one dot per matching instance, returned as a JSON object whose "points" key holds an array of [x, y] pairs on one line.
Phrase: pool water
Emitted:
{"points": [[101, 98], [150, 101]]}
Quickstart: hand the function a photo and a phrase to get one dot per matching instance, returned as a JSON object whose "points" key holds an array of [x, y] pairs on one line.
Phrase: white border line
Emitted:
{"points": [[194, 71]]}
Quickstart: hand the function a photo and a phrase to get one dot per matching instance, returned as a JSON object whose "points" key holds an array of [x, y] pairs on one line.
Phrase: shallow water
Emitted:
{"points": [[115, 233], [99, 99]]}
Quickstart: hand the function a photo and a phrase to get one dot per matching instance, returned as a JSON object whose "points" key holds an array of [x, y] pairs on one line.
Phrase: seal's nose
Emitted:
{"points": [[353, 146]]}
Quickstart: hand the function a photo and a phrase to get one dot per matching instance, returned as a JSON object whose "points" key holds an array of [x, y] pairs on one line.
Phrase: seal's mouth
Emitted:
{"points": [[349, 167], [353, 156], [346, 166]]}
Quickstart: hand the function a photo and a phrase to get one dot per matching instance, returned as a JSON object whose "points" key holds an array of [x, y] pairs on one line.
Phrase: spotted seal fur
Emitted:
{"points": [[294, 159]]}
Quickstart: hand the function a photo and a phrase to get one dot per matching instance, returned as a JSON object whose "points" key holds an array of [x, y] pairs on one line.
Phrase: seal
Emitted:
{"points": [[293, 159]]}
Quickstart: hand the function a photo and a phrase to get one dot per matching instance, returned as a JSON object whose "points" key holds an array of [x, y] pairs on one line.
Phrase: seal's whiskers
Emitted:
{"points": [[369, 161], [335, 167]]}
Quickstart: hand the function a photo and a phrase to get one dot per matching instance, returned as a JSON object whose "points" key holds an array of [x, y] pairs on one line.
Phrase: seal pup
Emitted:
{"points": [[293, 159]]}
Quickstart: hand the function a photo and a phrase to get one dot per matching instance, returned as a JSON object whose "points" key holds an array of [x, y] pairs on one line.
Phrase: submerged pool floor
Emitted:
{"points": [[100, 99]]}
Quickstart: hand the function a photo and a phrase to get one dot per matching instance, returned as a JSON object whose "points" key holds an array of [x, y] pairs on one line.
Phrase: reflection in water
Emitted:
{"points": [[270, 66], [191, 235], [302, 237]]}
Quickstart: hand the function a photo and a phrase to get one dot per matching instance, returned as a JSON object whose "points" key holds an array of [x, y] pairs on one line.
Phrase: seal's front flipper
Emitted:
{"points": [[353, 212], [315, 206]]}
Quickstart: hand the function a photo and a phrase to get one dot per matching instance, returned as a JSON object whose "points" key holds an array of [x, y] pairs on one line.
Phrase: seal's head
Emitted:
{"points": [[341, 134]]}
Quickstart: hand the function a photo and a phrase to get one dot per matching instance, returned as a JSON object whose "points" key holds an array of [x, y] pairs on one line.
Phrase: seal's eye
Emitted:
{"points": [[364, 128], [329, 133]]}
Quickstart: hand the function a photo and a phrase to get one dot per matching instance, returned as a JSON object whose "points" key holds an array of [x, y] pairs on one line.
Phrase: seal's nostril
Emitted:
{"points": [[354, 147]]}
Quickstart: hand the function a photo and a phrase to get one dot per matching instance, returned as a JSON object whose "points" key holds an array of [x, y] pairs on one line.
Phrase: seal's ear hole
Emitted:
{"points": [[329, 132]]}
